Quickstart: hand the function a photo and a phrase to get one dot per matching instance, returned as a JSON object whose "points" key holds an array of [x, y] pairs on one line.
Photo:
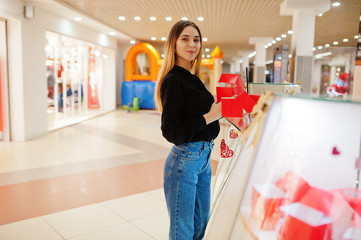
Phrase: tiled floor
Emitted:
{"points": [[99, 179]]}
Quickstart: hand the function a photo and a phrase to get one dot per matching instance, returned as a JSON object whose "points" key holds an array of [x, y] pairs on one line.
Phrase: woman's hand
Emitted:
{"points": [[214, 113]]}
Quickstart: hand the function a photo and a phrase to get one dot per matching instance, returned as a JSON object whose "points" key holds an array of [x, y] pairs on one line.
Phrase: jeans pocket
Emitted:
{"points": [[193, 153], [169, 163]]}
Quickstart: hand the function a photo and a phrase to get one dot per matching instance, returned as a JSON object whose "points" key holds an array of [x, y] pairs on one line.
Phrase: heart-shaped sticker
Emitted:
{"points": [[225, 151], [233, 134], [335, 151]]}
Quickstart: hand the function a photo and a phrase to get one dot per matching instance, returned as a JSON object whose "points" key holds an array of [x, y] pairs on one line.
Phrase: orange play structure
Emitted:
{"points": [[142, 86]]}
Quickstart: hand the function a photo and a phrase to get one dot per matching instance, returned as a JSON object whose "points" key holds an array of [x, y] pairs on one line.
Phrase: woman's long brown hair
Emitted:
{"points": [[170, 57]]}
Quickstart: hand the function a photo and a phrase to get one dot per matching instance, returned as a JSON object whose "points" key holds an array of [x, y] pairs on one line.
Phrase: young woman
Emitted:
{"points": [[190, 122]]}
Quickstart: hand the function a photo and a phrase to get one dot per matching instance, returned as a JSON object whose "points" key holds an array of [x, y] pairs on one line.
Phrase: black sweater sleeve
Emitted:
{"points": [[177, 127]]}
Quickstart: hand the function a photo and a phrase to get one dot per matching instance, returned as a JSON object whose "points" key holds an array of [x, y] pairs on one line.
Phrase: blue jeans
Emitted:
{"points": [[187, 189]]}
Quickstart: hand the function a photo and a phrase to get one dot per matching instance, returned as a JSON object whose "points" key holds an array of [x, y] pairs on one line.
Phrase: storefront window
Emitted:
{"points": [[74, 79]]}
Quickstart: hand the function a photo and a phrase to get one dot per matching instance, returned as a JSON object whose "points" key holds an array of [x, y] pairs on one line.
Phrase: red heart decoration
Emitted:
{"points": [[335, 151], [233, 134], [225, 151]]}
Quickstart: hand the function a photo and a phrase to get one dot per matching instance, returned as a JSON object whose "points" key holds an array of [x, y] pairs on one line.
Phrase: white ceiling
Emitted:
{"points": [[227, 23]]}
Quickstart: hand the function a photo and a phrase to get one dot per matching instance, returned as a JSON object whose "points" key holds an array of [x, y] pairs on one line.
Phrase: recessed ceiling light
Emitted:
{"points": [[132, 42], [208, 56], [269, 44], [207, 49], [121, 18], [137, 18], [111, 33], [162, 55], [319, 47], [205, 39], [168, 19], [284, 35], [290, 32], [184, 18], [153, 38], [356, 36], [153, 18], [335, 43], [78, 19], [163, 38], [327, 45], [273, 41], [265, 46], [202, 55], [345, 40], [278, 39], [336, 4], [313, 49], [289, 55], [320, 15], [200, 19]]}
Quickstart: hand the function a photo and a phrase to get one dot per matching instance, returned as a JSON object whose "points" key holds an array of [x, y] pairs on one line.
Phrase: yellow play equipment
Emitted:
{"points": [[141, 84]]}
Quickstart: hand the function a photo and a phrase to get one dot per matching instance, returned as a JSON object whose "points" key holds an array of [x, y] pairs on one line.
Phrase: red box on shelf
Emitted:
{"points": [[303, 222], [353, 197], [266, 200], [319, 199], [293, 185]]}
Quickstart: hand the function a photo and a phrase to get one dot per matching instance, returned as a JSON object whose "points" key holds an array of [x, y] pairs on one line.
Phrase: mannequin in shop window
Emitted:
{"points": [[189, 121]]}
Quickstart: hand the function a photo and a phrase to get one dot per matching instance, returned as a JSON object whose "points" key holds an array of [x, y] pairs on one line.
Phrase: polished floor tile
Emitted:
{"points": [[98, 179]]}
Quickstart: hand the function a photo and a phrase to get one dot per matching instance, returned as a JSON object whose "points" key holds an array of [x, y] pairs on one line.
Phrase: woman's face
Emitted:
{"points": [[188, 45]]}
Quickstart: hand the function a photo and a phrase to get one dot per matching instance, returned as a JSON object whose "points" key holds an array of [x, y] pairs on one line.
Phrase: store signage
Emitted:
{"points": [[93, 101]]}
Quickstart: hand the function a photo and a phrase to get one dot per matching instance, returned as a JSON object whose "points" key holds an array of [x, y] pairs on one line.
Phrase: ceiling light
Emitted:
{"points": [[290, 32], [335, 43], [208, 56], [265, 46], [356, 36], [137, 18], [320, 15], [289, 55], [121, 18], [163, 38], [168, 19], [153, 38], [202, 55], [78, 19], [153, 18], [345, 40], [163, 55], [278, 39], [205, 39], [200, 19], [207, 49], [313, 49], [327, 45], [105, 56], [336, 4], [319, 47], [184, 18], [132, 42], [273, 41], [284, 35], [269, 44], [111, 33]]}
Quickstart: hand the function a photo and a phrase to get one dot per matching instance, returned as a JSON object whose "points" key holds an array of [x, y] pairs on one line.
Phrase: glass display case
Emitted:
{"points": [[293, 174]]}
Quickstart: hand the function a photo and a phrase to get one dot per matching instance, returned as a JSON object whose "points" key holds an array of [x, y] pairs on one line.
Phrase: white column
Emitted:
{"points": [[303, 27], [260, 63]]}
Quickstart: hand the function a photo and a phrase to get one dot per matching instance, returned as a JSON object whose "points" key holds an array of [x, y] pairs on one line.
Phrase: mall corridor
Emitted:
{"points": [[98, 179]]}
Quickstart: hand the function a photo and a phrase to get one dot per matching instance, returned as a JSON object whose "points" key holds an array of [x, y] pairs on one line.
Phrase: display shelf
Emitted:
{"points": [[294, 174]]}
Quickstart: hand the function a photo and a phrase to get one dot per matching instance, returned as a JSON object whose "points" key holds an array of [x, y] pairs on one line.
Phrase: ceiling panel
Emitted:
{"points": [[227, 23]]}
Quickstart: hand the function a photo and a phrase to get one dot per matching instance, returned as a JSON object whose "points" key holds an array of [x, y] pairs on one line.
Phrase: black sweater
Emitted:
{"points": [[185, 100]]}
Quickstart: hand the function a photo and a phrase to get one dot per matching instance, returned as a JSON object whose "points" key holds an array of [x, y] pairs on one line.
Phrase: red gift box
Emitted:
{"points": [[266, 200], [294, 186], [304, 223], [353, 197], [233, 85], [319, 199]]}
